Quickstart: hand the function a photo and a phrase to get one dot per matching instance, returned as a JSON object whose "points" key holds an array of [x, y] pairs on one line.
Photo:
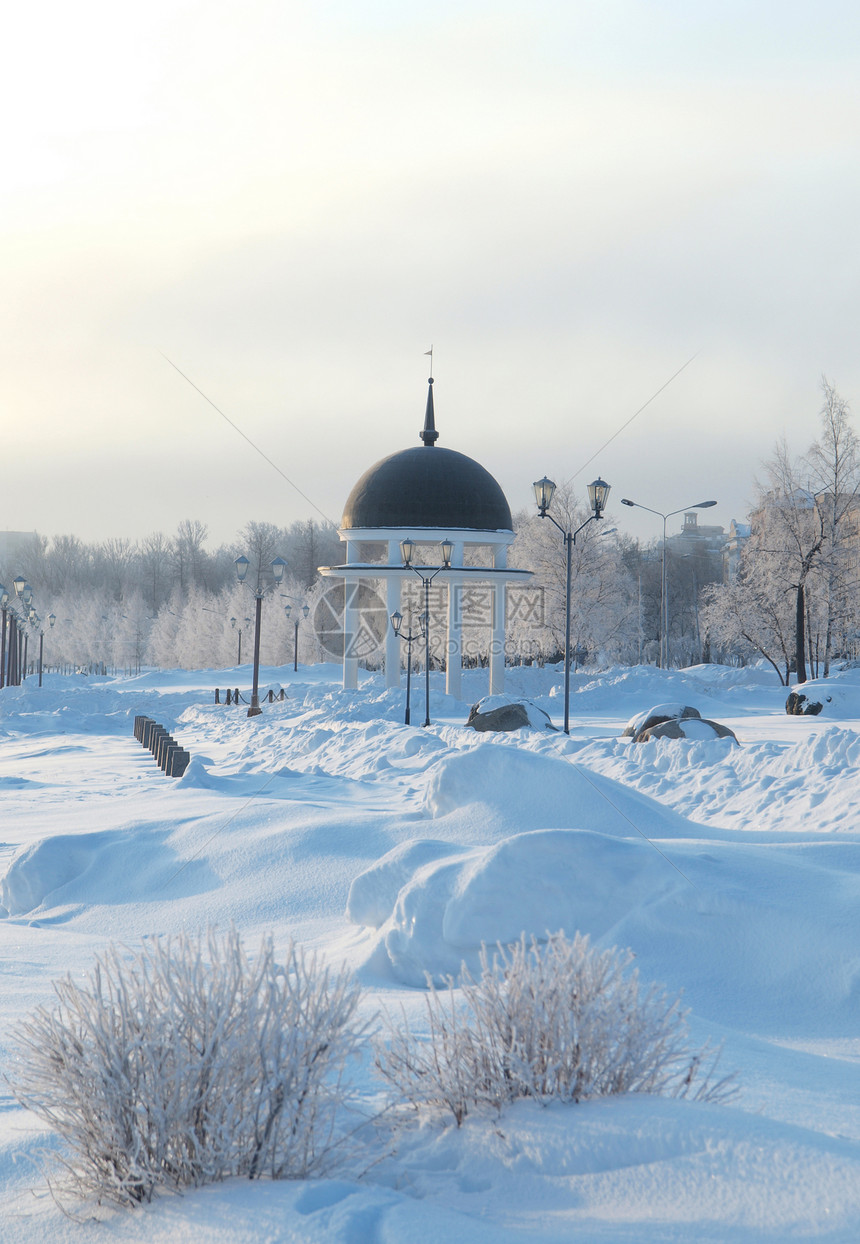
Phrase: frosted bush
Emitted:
{"points": [[191, 1062], [555, 1021]]}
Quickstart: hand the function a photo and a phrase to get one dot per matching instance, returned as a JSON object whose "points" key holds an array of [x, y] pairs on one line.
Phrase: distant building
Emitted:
{"points": [[701, 542], [16, 545], [739, 534]]}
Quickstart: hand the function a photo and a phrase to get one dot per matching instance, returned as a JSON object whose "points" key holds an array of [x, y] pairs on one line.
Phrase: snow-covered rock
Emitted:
{"points": [[685, 728], [507, 712], [654, 716]]}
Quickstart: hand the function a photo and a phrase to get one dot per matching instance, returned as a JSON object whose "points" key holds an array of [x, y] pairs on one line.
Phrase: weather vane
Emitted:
{"points": [[430, 352]]}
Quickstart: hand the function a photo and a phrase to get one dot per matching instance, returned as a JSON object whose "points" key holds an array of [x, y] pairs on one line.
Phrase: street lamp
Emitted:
{"points": [[4, 608], [409, 638], [278, 568], [12, 663], [288, 609], [407, 551], [52, 619], [664, 586], [18, 631], [598, 491]]}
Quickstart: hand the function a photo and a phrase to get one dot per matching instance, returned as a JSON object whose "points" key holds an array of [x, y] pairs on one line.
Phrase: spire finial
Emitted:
{"points": [[429, 434]]}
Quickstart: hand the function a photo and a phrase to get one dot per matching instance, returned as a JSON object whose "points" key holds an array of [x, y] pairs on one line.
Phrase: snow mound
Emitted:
{"points": [[373, 893], [529, 791], [108, 866], [536, 882]]}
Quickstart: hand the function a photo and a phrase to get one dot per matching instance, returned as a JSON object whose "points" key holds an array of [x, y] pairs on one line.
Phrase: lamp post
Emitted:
{"points": [[4, 609], [25, 594], [305, 610], [52, 619], [409, 638], [598, 491], [278, 568], [288, 609], [407, 551], [36, 624], [664, 586]]}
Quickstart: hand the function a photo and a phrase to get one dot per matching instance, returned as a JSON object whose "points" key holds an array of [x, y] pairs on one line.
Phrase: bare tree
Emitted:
{"points": [[789, 528], [262, 543], [155, 559], [834, 466], [188, 553]]}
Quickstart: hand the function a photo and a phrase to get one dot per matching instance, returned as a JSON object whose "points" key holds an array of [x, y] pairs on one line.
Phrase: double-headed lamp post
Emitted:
{"points": [[409, 638], [278, 568], [664, 586], [426, 574], [288, 609], [598, 491], [25, 594]]}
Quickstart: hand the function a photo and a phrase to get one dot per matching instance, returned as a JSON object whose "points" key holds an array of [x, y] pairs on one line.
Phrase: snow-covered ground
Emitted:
{"points": [[732, 872]]}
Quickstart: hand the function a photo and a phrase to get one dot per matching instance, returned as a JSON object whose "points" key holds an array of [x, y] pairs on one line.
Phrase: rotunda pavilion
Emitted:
{"points": [[427, 495]]}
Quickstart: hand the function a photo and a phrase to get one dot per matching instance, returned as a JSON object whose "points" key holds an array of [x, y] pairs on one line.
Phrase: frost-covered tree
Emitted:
{"points": [[834, 468], [752, 616], [188, 555], [798, 568], [602, 589]]}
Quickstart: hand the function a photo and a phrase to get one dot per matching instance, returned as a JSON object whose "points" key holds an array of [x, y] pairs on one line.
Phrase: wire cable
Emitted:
{"points": [[247, 438], [632, 417]]}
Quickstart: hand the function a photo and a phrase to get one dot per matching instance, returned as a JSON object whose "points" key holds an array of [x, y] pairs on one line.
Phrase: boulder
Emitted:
{"points": [[503, 713], [653, 717], [800, 705], [693, 728]]}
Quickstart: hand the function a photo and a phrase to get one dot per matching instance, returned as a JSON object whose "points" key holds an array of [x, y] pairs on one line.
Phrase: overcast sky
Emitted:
{"points": [[292, 201]]}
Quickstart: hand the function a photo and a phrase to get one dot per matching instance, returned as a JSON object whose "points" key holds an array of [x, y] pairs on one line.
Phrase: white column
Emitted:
{"points": [[454, 645], [392, 602], [350, 632], [497, 640]]}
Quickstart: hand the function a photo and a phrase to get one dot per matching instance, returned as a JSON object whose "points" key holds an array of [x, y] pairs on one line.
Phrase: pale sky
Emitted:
{"points": [[293, 201]]}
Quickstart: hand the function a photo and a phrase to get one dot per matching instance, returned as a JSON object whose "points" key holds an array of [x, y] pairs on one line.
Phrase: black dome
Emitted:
{"points": [[428, 487]]}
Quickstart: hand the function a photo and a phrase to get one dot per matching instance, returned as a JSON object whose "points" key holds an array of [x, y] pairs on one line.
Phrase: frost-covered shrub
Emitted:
{"points": [[190, 1062], [555, 1021]]}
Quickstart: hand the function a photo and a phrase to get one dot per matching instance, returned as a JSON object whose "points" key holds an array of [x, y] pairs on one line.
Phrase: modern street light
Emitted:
{"points": [[407, 551], [288, 609], [664, 586], [598, 491], [409, 638], [278, 568]]}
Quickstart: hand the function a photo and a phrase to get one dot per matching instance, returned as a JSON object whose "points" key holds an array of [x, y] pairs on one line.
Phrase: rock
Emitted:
{"points": [[503, 713], [693, 728], [653, 716], [799, 705]]}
